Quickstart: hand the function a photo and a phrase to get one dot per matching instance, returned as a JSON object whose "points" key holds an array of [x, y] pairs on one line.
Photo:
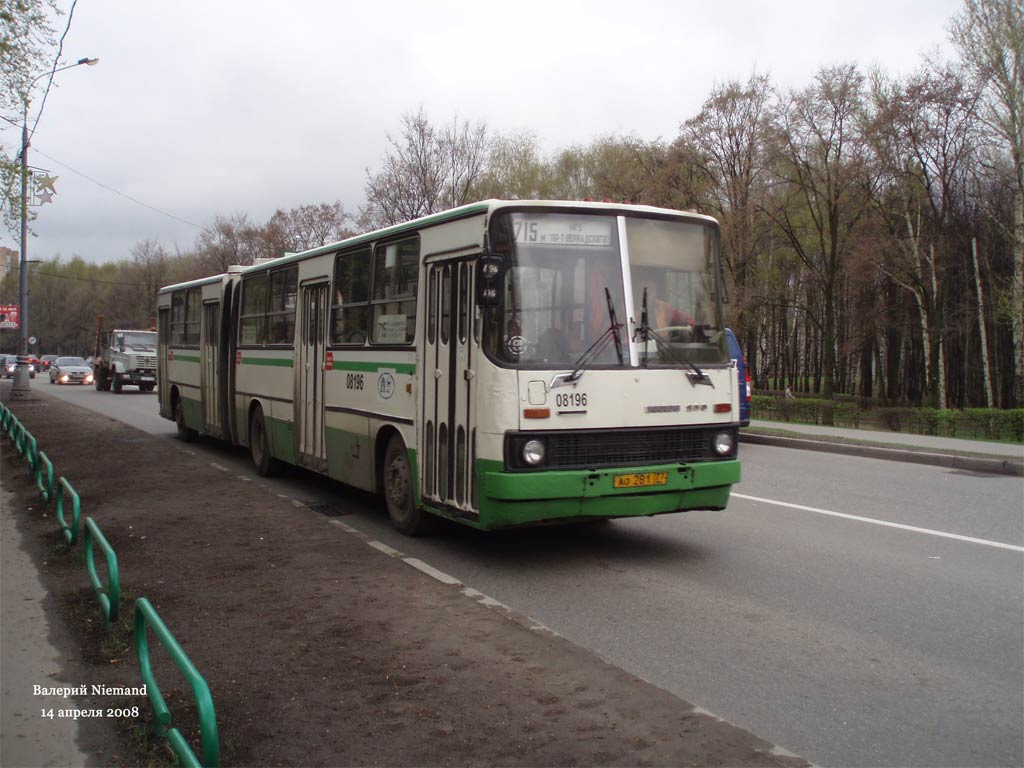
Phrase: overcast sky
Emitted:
{"points": [[215, 107]]}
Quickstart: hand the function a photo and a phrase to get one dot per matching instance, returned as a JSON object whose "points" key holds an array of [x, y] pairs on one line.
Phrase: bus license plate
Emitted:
{"points": [[640, 480]]}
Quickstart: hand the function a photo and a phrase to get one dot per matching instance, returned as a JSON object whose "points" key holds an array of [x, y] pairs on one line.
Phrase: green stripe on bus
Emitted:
{"points": [[186, 358], [353, 365], [279, 362]]}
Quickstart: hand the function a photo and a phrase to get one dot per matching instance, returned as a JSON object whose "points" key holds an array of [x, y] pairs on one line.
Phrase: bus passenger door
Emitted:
{"points": [[209, 372], [448, 450], [309, 401], [163, 339]]}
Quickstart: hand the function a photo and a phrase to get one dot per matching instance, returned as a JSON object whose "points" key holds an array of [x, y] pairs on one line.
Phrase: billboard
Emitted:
{"points": [[9, 316]]}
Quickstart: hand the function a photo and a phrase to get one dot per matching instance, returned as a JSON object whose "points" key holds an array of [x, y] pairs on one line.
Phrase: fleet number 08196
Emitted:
{"points": [[571, 400]]}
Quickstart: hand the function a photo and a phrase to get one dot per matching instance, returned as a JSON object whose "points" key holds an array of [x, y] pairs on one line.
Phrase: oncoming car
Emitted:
{"points": [[70, 370], [10, 365]]}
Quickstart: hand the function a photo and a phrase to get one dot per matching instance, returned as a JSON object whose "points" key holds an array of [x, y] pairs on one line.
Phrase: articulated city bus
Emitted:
{"points": [[499, 364]]}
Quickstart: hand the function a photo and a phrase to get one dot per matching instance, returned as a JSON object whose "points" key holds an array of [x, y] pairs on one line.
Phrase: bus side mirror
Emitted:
{"points": [[489, 268]]}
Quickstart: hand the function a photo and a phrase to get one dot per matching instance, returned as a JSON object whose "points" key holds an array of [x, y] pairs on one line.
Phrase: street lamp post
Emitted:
{"points": [[20, 387]]}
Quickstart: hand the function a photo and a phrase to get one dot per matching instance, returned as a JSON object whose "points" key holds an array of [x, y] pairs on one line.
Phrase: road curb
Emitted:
{"points": [[993, 465]]}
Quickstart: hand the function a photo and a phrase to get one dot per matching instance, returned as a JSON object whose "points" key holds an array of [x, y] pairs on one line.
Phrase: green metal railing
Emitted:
{"points": [[19, 438], [70, 531], [146, 615], [109, 598], [31, 455], [44, 477]]}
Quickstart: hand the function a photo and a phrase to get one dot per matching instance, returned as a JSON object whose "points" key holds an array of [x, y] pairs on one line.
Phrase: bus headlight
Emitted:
{"points": [[533, 452], [723, 443]]}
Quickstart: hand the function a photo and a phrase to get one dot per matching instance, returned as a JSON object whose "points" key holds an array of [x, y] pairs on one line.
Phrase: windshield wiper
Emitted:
{"points": [[592, 352], [695, 374]]}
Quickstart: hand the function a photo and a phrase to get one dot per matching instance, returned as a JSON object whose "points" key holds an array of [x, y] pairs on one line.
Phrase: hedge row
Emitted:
{"points": [[982, 423]]}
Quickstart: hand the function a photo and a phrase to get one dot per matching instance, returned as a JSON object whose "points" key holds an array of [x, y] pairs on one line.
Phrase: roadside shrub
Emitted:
{"points": [[979, 423]]}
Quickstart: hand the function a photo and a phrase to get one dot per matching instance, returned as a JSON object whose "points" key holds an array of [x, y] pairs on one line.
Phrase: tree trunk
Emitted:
{"points": [[982, 334], [940, 374], [828, 343], [1018, 291]]}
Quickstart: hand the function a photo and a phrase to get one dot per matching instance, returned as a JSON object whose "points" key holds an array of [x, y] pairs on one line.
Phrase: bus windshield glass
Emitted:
{"points": [[554, 307], [558, 267], [676, 263]]}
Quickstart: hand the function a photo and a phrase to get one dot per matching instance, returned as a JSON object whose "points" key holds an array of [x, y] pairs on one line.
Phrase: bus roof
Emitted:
{"points": [[191, 284], [473, 209]]}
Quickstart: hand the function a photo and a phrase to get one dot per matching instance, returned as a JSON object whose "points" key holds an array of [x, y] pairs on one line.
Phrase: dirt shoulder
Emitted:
{"points": [[320, 649]]}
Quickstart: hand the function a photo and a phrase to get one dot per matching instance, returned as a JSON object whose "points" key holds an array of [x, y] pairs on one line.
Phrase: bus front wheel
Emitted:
{"points": [[398, 492]]}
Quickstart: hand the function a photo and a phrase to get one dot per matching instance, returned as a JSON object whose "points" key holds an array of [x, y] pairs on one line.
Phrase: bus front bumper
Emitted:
{"points": [[520, 498]]}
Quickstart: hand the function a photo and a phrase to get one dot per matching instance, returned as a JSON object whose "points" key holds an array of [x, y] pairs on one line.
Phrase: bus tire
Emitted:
{"points": [[398, 492], [185, 433], [259, 446]]}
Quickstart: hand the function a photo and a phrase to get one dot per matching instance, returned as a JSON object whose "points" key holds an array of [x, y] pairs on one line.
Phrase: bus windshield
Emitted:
{"points": [[559, 265]]}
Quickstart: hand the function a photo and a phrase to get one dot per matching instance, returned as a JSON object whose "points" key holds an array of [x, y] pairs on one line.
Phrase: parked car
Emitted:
{"points": [[10, 364], [70, 370], [742, 374], [46, 361]]}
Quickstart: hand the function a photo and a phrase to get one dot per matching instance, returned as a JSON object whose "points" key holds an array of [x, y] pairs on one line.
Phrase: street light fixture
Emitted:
{"points": [[20, 387]]}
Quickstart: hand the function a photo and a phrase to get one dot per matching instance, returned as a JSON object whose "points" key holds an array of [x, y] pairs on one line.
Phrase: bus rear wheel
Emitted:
{"points": [[185, 433], [398, 492], [259, 446]]}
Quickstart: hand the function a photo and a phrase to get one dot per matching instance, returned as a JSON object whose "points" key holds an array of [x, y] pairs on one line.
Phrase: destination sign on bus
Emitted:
{"points": [[551, 230]]}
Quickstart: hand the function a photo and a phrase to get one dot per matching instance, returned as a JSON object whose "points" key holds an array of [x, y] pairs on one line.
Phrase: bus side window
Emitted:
{"points": [[351, 297], [396, 268], [281, 313], [252, 329], [178, 318]]}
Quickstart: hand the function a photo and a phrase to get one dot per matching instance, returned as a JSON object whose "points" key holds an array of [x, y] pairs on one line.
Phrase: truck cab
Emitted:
{"points": [[125, 357]]}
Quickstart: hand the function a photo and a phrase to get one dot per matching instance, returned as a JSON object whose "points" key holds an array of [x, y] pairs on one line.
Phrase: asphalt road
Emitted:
{"points": [[855, 611]]}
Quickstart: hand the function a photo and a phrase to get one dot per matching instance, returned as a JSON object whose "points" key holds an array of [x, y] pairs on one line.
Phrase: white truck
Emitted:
{"points": [[125, 357]]}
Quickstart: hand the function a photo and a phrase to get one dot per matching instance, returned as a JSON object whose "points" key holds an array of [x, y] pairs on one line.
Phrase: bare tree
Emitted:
{"points": [[150, 262], [925, 135], [229, 241], [428, 169], [990, 37], [309, 226], [826, 185], [731, 137]]}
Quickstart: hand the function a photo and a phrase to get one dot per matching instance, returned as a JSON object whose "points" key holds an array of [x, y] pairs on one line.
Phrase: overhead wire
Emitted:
{"points": [[39, 114], [117, 192], [56, 61]]}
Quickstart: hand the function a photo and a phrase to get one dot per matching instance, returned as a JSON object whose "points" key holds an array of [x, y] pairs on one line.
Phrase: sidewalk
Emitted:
{"points": [[954, 453], [27, 658]]}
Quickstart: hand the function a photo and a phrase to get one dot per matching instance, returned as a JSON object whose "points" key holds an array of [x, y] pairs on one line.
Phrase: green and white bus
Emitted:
{"points": [[499, 364]]}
